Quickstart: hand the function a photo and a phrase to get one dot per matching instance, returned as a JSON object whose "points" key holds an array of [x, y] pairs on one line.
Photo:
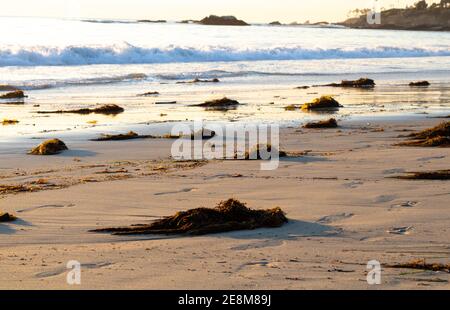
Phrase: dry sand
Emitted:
{"points": [[341, 205]]}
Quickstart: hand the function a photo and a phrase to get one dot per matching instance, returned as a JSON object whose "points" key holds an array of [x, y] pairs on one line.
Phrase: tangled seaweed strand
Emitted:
{"points": [[226, 216]]}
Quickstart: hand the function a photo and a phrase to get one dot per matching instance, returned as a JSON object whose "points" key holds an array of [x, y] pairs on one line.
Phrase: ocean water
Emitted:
{"points": [[72, 63]]}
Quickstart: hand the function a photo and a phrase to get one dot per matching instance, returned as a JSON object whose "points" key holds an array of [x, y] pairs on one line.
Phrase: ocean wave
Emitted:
{"points": [[47, 84], [129, 54]]}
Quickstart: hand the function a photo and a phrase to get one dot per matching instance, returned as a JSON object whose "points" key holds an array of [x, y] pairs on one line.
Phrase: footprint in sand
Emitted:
{"points": [[184, 190], [384, 198], [46, 206], [392, 171], [334, 218], [353, 184], [61, 270], [405, 230], [405, 204]]}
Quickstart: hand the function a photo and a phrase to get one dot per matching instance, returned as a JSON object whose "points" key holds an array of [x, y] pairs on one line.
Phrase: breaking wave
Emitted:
{"points": [[129, 54]]}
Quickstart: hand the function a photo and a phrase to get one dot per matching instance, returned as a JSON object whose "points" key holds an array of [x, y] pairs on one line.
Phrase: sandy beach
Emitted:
{"points": [[95, 195], [342, 205]]}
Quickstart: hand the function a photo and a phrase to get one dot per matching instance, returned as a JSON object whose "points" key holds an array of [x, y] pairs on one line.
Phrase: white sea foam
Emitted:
{"points": [[130, 54]]}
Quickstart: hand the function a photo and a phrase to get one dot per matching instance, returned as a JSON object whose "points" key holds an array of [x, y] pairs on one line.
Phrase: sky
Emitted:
{"points": [[285, 11]]}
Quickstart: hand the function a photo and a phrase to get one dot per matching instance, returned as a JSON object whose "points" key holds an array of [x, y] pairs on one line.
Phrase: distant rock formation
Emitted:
{"points": [[222, 21], [275, 23], [421, 17]]}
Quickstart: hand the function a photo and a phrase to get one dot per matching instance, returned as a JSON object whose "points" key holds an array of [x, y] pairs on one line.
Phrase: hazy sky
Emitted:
{"points": [[249, 10]]}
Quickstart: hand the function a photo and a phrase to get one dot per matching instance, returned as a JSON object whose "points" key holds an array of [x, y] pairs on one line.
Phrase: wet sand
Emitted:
{"points": [[343, 208]]}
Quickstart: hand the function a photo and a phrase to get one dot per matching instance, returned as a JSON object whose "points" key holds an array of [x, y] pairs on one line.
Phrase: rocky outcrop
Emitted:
{"points": [[433, 18], [222, 21]]}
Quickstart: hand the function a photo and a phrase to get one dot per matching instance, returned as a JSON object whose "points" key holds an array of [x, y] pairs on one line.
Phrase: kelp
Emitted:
{"points": [[431, 137], [120, 137], [17, 94], [227, 216], [49, 147], [426, 175], [107, 109], [330, 123], [419, 84], [324, 102], [7, 217], [421, 264]]}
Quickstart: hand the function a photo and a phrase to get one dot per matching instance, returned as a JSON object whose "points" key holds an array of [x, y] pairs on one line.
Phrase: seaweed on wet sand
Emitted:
{"points": [[120, 137], [219, 103], [49, 147], [227, 216], [360, 83], [197, 80], [13, 95], [107, 109], [330, 123], [419, 84], [149, 94], [324, 102], [421, 264], [6, 122], [6, 217], [431, 137], [257, 153], [425, 175]]}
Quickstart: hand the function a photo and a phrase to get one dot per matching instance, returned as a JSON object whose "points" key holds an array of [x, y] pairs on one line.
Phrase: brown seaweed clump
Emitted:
{"points": [[360, 83], [107, 109], [419, 84], [331, 123], [421, 264], [426, 175], [432, 137], [9, 122], [227, 216], [148, 94], [13, 95], [292, 107], [197, 80], [120, 137], [49, 147], [6, 217], [257, 153], [324, 102], [219, 103]]}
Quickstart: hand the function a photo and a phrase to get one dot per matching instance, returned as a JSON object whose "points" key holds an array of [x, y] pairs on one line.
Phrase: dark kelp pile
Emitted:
{"points": [[425, 175], [324, 102], [215, 80], [7, 217], [49, 147], [228, 215], [17, 94], [219, 103], [120, 137], [432, 137], [360, 83], [419, 84], [261, 152], [331, 123], [6, 122], [107, 109], [148, 94], [421, 264]]}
